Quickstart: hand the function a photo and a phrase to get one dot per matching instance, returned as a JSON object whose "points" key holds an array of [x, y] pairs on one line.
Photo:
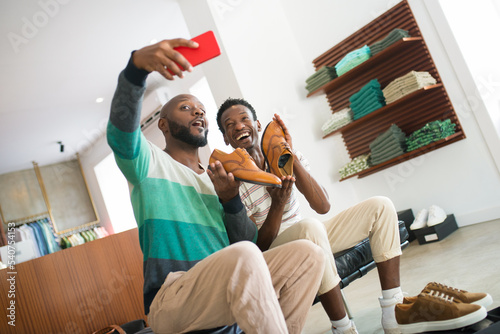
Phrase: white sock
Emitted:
{"points": [[344, 322], [388, 301], [389, 294]]}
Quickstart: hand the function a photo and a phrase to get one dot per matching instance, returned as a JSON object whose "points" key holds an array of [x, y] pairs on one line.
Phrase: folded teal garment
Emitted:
{"points": [[365, 50], [360, 113], [352, 64], [372, 84], [372, 94], [367, 101]]}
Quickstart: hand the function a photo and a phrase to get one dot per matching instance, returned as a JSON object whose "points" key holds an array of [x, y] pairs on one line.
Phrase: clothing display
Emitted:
{"points": [[356, 165], [391, 38], [82, 237], [353, 59], [368, 99], [41, 233], [388, 145], [337, 120], [429, 133], [407, 84], [322, 76]]}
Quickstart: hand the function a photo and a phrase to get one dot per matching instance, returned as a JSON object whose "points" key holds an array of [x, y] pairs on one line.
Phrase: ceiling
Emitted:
{"points": [[57, 58]]}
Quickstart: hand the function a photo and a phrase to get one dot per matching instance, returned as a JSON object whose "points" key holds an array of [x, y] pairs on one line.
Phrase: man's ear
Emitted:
{"points": [[259, 127], [225, 139], [163, 125]]}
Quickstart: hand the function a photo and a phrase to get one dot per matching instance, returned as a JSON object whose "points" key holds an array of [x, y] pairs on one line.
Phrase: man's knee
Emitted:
{"points": [[312, 229], [309, 248], [245, 253], [381, 202]]}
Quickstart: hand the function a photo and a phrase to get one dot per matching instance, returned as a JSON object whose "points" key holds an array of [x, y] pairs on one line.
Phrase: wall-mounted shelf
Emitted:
{"points": [[414, 98], [365, 67], [410, 112]]}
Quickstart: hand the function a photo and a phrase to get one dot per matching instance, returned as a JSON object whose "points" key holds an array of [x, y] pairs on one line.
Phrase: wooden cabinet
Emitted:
{"points": [[409, 113]]}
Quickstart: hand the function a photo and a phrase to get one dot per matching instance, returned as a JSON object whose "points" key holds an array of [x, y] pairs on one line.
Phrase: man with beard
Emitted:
{"points": [[201, 268]]}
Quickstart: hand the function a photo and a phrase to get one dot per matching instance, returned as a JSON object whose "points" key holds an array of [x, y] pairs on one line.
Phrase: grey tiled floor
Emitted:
{"points": [[468, 259]]}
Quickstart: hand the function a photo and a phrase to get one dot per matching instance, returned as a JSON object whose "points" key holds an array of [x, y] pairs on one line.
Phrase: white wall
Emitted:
{"points": [[271, 44], [173, 26]]}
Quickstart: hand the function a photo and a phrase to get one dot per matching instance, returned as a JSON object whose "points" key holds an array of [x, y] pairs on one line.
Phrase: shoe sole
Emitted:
{"points": [[442, 325], [485, 302], [254, 182], [259, 183], [262, 150]]}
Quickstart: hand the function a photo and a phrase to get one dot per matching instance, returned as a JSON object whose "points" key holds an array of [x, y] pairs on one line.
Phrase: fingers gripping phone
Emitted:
{"points": [[207, 49]]}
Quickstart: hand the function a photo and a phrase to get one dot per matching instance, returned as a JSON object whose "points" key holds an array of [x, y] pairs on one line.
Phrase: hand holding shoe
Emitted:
{"points": [[225, 185], [282, 195]]}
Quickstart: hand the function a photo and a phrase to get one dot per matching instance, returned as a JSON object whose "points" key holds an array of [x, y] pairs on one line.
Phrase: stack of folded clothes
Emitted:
{"points": [[391, 38], [407, 84], [388, 145], [368, 99], [320, 77], [356, 165], [429, 133], [352, 59], [337, 120]]}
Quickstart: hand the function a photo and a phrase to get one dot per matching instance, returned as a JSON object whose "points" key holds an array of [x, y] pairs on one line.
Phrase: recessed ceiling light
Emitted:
{"points": [[99, 100]]}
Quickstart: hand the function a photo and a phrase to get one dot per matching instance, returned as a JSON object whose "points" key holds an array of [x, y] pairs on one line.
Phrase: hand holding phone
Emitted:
{"points": [[207, 49]]}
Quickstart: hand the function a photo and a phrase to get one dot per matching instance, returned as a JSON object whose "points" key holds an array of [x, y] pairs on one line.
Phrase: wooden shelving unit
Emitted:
{"points": [[409, 113]]}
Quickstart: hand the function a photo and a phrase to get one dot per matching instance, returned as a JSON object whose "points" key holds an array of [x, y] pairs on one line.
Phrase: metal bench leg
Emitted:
{"points": [[348, 311]]}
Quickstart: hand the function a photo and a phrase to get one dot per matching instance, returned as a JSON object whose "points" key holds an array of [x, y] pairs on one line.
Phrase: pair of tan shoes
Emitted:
{"points": [[440, 307], [279, 159]]}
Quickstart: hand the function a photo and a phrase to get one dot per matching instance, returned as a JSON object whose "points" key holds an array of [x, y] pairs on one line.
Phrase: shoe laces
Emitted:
{"points": [[245, 153], [442, 296], [446, 287]]}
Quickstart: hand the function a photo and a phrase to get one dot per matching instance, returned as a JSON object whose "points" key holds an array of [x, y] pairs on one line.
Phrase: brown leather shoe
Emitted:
{"points": [[273, 145], [432, 312], [244, 168]]}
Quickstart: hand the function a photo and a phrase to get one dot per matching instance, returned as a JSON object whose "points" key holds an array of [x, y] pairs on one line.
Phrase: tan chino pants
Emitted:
{"points": [[268, 292]]}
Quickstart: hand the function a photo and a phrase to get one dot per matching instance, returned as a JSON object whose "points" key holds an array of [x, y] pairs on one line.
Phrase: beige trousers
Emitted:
{"points": [[268, 292], [375, 218]]}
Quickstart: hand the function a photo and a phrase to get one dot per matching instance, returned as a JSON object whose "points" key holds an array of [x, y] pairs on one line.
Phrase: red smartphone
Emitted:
{"points": [[208, 48]]}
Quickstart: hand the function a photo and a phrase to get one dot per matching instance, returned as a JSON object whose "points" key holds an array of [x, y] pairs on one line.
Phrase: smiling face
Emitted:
{"points": [[240, 128], [184, 118]]}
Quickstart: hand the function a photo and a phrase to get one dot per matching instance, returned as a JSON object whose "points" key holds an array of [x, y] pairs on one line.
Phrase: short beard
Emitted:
{"points": [[183, 134]]}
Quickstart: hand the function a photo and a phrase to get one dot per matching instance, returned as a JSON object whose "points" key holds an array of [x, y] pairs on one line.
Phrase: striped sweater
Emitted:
{"points": [[178, 213]]}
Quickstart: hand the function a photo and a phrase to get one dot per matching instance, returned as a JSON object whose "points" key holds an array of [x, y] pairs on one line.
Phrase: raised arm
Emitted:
{"points": [[123, 132], [314, 193]]}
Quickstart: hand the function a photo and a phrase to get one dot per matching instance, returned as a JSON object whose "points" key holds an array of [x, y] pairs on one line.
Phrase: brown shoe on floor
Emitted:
{"points": [[244, 168], [278, 157], [433, 312], [479, 298]]}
